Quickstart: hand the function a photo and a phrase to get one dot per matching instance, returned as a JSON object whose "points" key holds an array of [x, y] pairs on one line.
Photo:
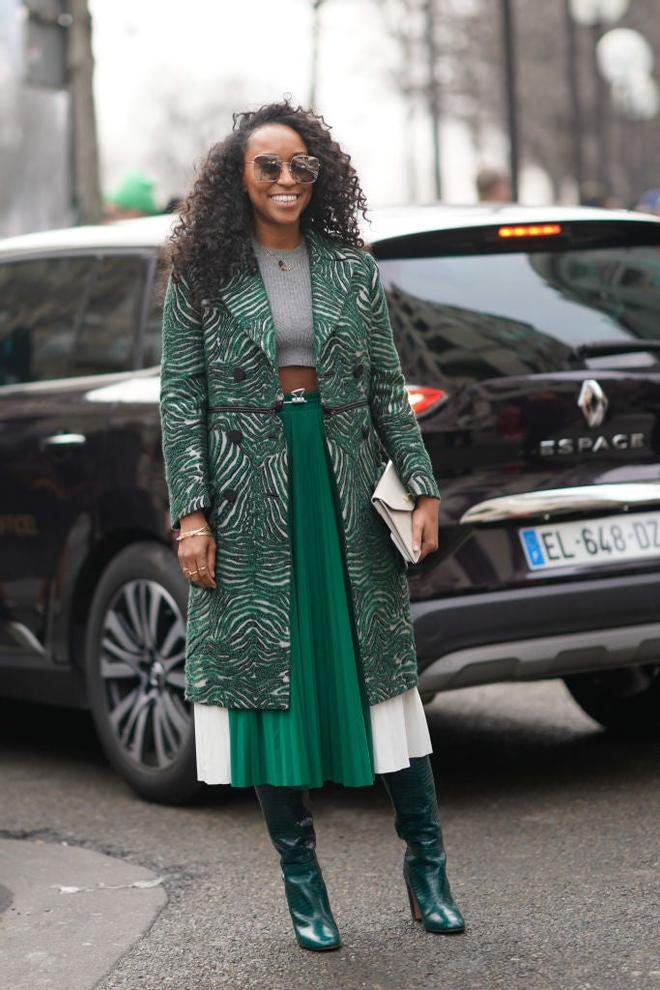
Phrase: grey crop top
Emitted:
{"points": [[290, 298]]}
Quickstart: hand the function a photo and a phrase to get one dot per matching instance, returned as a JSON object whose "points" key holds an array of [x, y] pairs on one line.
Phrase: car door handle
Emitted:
{"points": [[64, 440]]}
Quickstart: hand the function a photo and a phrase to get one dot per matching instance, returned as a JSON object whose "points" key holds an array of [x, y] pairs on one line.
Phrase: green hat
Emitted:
{"points": [[136, 192]]}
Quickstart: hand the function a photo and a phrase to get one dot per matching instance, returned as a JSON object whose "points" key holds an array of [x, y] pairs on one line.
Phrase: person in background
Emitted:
{"points": [[649, 202], [173, 204], [596, 194], [493, 186], [133, 198]]}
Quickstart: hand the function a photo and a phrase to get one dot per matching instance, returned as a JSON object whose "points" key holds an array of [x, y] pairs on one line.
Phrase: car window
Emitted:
{"points": [[466, 318], [153, 328], [41, 305], [106, 335]]}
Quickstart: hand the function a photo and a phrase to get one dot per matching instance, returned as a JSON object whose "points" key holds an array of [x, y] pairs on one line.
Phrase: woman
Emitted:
{"points": [[279, 384]]}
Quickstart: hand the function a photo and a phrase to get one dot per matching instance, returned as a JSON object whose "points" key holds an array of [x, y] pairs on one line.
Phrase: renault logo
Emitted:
{"points": [[592, 402]]}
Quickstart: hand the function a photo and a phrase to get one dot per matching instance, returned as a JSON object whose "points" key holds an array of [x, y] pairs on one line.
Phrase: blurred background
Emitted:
{"points": [[107, 106]]}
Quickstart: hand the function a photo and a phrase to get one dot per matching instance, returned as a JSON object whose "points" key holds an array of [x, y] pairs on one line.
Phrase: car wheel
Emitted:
{"points": [[627, 700], [134, 655]]}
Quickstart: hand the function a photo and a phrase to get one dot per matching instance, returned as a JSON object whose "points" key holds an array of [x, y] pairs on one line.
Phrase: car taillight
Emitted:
{"points": [[422, 399], [530, 230]]}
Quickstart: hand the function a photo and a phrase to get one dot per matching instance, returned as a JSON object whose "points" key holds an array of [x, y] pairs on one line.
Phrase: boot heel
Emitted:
{"points": [[414, 908]]}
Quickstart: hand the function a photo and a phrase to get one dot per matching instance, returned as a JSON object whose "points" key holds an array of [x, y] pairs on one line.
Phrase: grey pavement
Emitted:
{"points": [[551, 828], [69, 913]]}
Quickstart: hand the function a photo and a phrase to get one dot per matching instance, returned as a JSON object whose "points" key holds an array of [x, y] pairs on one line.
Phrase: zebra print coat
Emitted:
{"points": [[233, 466]]}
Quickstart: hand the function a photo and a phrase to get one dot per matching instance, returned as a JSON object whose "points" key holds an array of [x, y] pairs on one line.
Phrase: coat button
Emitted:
{"points": [[235, 436], [358, 369], [239, 374], [365, 432], [229, 494]]}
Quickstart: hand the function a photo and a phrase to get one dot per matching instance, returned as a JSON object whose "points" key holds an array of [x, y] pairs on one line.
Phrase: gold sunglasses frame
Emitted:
{"points": [[255, 161]]}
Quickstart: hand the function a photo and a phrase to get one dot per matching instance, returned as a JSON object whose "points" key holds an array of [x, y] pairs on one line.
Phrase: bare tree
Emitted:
{"points": [[314, 50], [401, 19], [85, 153], [547, 92], [183, 128], [428, 36], [462, 41]]}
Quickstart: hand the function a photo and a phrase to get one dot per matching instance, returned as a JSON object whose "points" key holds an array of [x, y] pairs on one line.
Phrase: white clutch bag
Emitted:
{"points": [[394, 504]]}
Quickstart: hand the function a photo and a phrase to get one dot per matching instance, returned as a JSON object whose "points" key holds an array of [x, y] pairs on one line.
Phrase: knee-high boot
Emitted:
{"points": [[412, 793], [291, 829]]}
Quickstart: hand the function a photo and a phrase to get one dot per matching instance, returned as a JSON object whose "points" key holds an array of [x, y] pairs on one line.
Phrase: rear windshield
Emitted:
{"points": [[467, 318]]}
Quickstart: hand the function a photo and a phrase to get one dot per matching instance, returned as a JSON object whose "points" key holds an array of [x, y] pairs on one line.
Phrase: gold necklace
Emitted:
{"points": [[280, 262]]}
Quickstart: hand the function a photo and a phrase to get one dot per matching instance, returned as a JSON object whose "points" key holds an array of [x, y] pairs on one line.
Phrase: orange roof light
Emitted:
{"points": [[531, 230]]}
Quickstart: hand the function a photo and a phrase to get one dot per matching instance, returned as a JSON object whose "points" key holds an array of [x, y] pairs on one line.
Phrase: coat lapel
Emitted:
{"points": [[331, 273], [245, 298], [330, 269]]}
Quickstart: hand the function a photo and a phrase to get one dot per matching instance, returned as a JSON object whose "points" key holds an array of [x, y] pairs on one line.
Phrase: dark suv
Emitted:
{"points": [[530, 342]]}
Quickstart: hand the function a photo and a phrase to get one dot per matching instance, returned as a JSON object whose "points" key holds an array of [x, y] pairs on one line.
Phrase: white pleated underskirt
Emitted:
{"points": [[398, 726]]}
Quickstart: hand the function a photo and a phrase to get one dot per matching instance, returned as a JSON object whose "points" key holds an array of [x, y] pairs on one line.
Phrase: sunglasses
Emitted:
{"points": [[302, 168]]}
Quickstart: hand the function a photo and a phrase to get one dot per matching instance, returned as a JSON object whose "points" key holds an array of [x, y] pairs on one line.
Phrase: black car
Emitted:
{"points": [[530, 342]]}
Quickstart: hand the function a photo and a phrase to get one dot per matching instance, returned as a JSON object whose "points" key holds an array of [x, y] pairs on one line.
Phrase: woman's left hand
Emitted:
{"points": [[425, 524]]}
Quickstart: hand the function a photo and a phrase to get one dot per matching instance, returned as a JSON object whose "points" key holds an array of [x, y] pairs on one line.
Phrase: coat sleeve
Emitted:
{"points": [[183, 399], [390, 407]]}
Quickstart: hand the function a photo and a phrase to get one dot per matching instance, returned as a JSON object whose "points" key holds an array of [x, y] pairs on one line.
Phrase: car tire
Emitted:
{"points": [[626, 700], [134, 661]]}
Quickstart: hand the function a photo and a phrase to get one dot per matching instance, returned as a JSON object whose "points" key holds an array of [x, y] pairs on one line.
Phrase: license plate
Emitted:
{"points": [[592, 541]]}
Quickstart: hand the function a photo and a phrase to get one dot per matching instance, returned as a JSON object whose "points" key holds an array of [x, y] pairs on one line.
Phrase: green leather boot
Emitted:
{"points": [[412, 793], [291, 828]]}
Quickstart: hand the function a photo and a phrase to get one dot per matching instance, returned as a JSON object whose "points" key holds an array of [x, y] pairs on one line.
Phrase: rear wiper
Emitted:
{"points": [[605, 347]]}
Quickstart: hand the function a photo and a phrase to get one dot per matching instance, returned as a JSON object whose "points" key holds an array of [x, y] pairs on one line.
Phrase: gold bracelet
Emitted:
{"points": [[202, 531]]}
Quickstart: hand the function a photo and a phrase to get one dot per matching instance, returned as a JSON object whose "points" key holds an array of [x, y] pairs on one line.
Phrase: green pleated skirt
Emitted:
{"points": [[325, 734]]}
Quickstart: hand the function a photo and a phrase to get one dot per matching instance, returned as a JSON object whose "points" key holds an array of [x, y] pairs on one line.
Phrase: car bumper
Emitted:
{"points": [[559, 630]]}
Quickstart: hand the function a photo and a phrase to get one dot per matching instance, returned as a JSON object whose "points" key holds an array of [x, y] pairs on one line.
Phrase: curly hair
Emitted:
{"points": [[212, 238]]}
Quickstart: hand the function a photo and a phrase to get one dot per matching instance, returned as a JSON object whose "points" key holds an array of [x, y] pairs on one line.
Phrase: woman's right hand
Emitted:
{"points": [[197, 553]]}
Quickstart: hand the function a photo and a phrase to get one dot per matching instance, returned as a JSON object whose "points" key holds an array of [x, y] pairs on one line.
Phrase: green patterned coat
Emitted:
{"points": [[233, 466]]}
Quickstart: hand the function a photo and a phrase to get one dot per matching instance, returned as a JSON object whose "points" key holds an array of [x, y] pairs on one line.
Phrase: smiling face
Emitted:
{"points": [[277, 204]]}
